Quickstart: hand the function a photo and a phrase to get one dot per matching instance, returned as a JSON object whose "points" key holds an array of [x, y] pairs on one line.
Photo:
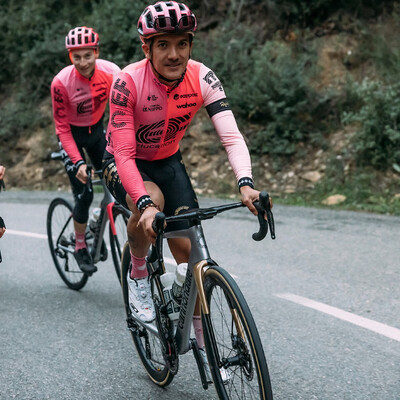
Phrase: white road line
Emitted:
{"points": [[382, 329], [28, 234], [43, 236], [168, 260]]}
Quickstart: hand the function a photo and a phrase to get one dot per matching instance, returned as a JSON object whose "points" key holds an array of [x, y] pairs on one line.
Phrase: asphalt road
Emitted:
{"points": [[325, 296]]}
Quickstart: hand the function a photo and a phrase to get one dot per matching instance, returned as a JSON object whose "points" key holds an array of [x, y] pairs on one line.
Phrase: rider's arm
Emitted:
{"points": [[60, 101], [221, 115], [121, 125]]}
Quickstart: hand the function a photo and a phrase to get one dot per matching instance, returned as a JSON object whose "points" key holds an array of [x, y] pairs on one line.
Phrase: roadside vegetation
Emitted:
{"points": [[268, 54]]}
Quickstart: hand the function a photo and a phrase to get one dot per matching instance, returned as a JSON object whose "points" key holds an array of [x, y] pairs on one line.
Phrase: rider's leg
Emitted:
{"points": [[140, 299], [138, 242], [80, 241]]}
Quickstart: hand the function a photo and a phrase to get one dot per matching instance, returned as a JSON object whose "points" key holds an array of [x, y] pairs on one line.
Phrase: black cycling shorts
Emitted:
{"points": [[168, 174]]}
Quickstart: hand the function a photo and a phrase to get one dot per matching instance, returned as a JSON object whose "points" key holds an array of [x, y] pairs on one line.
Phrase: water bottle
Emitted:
{"points": [[93, 219], [173, 308], [179, 280]]}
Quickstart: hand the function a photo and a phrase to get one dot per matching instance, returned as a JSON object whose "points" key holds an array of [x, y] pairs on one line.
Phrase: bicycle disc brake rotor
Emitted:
{"points": [[164, 326], [245, 362]]}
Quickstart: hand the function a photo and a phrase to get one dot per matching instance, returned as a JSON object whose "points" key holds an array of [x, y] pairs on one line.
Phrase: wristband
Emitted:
{"points": [[79, 163], [245, 181], [143, 202]]}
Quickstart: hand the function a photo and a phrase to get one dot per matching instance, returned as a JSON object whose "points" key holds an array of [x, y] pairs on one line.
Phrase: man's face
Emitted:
{"points": [[84, 61], [170, 55]]}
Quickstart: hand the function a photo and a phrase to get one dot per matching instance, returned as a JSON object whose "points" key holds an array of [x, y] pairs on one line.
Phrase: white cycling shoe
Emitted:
{"points": [[140, 301]]}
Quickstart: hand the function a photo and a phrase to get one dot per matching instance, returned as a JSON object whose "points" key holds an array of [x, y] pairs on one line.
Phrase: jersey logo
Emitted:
{"points": [[186, 105], [212, 80], [153, 107], [151, 134], [147, 134], [184, 96], [116, 124], [120, 95]]}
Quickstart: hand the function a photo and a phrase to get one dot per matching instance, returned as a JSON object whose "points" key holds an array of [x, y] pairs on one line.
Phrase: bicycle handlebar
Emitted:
{"points": [[88, 185], [263, 207], [58, 155]]}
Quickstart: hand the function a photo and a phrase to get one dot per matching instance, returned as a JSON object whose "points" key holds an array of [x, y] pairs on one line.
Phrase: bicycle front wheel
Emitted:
{"points": [[117, 241], [61, 237], [233, 345], [147, 343]]}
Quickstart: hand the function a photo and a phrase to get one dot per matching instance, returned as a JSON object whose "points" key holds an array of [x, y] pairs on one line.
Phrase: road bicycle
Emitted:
{"points": [[61, 233], [232, 343]]}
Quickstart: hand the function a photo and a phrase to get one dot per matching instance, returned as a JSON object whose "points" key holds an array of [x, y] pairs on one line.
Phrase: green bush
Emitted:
{"points": [[269, 85], [377, 140], [310, 13]]}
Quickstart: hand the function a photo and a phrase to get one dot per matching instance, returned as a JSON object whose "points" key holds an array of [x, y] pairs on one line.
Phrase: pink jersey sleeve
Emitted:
{"points": [[60, 101], [225, 123], [121, 127]]}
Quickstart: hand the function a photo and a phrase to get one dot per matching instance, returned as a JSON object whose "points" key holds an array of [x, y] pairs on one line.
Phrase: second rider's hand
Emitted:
{"points": [[146, 222], [81, 175]]}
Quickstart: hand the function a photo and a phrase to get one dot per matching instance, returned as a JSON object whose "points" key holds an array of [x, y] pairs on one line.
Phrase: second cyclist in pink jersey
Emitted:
{"points": [[79, 94], [151, 105]]}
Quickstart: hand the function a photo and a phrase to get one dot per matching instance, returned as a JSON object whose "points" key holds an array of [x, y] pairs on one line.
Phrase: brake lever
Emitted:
{"points": [[88, 185], [264, 208], [158, 223]]}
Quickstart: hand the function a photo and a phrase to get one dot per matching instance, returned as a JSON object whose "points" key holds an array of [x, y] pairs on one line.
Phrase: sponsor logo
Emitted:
{"points": [[87, 107], [150, 135], [116, 124], [212, 80], [152, 98], [186, 105], [153, 107], [104, 83], [100, 99], [185, 297], [120, 94], [84, 107], [224, 104], [185, 96], [57, 95]]}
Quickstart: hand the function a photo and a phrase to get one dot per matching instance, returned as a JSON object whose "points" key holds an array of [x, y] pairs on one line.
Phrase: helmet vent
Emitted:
{"points": [[158, 8], [149, 20], [174, 19]]}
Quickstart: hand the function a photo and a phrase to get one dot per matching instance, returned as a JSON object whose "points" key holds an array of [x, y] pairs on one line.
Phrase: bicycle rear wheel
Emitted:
{"points": [[117, 242], [233, 345], [147, 343], [61, 237]]}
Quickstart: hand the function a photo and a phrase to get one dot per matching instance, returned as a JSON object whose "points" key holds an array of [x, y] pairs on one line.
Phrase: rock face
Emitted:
{"points": [[334, 200]]}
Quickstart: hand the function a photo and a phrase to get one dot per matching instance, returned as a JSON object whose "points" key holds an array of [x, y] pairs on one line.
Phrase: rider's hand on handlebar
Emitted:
{"points": [[249, 196], [146, 221], [81, 175]]}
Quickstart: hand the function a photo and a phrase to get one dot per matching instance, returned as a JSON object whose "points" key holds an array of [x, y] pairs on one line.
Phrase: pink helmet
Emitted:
{"points": [[81, 37], [166, 17]]}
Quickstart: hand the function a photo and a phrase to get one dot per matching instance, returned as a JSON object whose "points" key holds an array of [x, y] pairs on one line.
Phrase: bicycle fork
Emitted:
{"points": [[199, 271]]}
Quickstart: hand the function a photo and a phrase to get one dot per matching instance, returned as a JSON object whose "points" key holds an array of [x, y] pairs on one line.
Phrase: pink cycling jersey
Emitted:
{"points": [[80, 101], [148, 119]]}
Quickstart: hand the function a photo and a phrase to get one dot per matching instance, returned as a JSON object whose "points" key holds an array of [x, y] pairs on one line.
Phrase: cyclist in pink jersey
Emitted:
{"points": [[79, 95], [151, 104]]}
